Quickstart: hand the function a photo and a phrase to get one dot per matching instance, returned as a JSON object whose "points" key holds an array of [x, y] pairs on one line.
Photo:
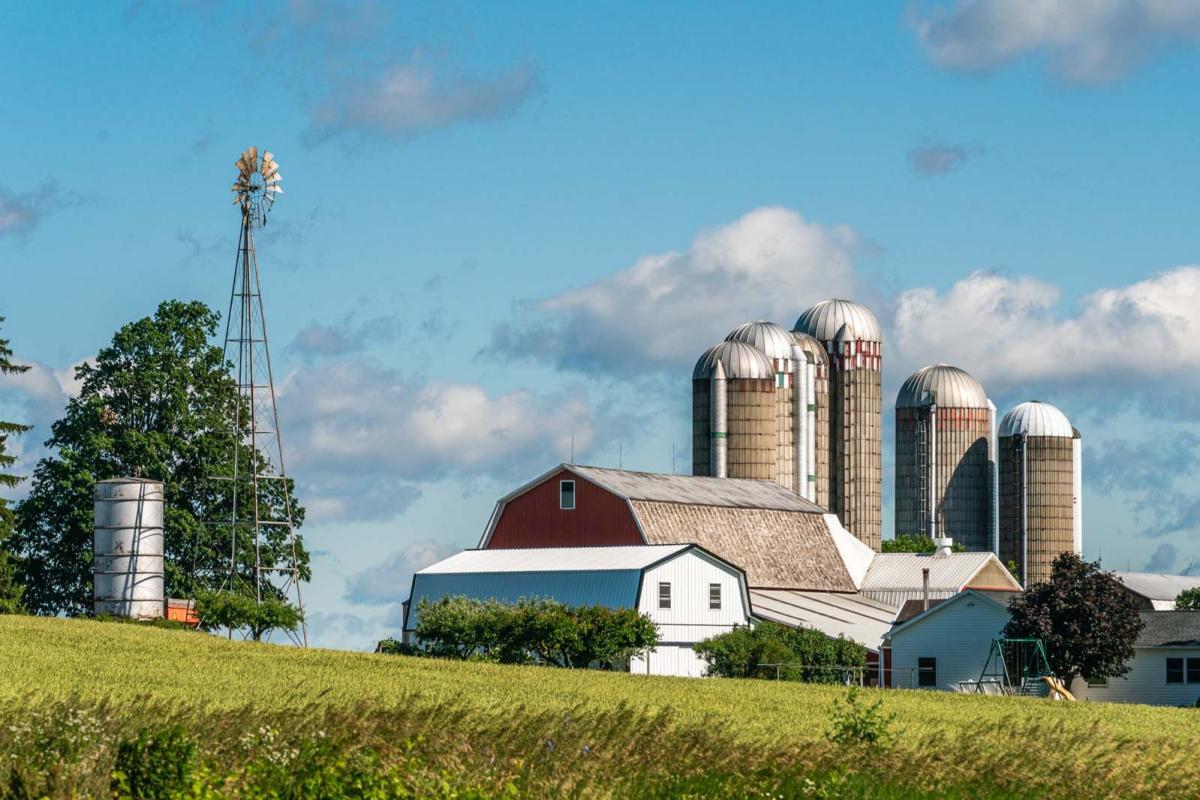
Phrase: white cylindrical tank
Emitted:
{"points": [[1077, 518], [127, 548], [720, 422]]}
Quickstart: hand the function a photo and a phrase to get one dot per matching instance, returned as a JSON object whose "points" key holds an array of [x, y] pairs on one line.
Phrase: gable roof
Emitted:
{"points": [[1170, 629], [554, 559], [1157, 586], [695, 490], [902, 571], [1000, 600]]}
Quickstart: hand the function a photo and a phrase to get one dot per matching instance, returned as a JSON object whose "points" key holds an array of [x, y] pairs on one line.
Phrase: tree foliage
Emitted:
{"points": [[159, 403], [535, 630], [1087, 621], [769, 649], [227, 610], [10, 587], [915, 543], [1188, 600]]}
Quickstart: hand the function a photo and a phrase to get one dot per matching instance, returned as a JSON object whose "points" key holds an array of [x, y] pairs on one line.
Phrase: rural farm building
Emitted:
{"points": [[689, 593], [895, 578], [1154, 591], [1165, 670]]}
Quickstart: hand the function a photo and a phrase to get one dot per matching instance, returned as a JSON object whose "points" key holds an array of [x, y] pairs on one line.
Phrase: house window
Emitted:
{"points": [[664, 595], [714, 599], [1193, 670], [927, 672], [1174, 670], [1097, 683], [566, 495]]}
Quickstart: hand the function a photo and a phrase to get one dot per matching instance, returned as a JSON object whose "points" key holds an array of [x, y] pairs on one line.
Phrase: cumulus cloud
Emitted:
{"points": [[36, 397], [1011, 332], [663, 310], [938, 159], [1162, 559], [410, 99], [390, 581], [366, 437], [1082, 42], [344, 337]]}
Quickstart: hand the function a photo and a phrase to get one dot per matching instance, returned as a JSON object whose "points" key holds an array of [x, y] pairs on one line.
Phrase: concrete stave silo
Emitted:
{"points": [[127, 548], [776, 343], [853, 342], [733, 387], [944, 457], [1040, 483]]}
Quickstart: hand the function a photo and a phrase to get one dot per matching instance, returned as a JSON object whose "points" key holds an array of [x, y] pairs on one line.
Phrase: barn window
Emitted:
{"points": [[1193, 670], [927, 672], [1174, 670], [566, 495], [664, 595], [714, 598]]}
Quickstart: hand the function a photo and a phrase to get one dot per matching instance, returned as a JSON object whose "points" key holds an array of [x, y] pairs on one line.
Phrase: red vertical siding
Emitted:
{"points": [[534, 519]]}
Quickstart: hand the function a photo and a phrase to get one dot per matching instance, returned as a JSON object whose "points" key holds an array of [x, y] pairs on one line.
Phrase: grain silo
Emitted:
{"points": [[945, 457], [853, 341], [733, 413], [127, 554], [1040, 476]]}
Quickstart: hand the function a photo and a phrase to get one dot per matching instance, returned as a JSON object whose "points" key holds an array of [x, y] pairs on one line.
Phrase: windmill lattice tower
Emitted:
{"points": [[260, 489]]}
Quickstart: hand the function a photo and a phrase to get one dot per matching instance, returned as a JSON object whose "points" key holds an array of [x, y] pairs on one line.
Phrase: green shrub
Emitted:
{"points": [[154, 765], [856, 721], [771, 650], [242, 612]]}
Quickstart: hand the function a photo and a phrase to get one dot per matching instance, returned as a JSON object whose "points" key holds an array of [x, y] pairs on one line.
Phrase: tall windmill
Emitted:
{"points": [[259, 503]]}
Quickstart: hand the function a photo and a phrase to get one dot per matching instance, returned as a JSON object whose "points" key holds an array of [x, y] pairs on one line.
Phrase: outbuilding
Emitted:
{"points": [[1165, 670], [687, 591], [1155, 591]]}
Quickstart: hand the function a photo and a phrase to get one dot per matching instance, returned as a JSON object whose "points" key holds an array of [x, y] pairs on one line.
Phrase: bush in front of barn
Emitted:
{"points": [[771, 650], [529, 631]]}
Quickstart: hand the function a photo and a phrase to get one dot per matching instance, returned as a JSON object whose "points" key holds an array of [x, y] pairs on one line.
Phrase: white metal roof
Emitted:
{"points": [[772, 339], [696, 490], [1157, 586], [856, 555], [895, 571], [949, 386], [827, 319], [555, 559], [1036, 418], [811, 346], [853, 616], [739, 359]]}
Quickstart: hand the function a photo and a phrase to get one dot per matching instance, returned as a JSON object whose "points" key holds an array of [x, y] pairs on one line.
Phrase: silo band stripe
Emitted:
{"points": [[720, 435]]}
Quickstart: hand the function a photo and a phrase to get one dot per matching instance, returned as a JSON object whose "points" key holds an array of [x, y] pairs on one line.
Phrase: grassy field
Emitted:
{"points": [[435, 728]]}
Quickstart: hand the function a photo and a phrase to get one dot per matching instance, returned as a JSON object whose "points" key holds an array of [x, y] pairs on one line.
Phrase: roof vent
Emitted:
{"points": [[943, 546]]}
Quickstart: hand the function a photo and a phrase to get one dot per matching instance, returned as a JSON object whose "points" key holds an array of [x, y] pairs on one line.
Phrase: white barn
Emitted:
{"points": [[688, 592]]}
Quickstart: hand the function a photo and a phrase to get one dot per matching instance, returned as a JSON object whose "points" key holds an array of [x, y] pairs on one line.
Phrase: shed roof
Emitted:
{"points": [[554, 559], [695, 490], [849, 614], [1170, 629], [1157, 586], [903, 570]]}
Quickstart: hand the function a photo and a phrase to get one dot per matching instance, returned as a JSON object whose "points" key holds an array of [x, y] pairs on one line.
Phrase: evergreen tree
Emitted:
{"points": [[158, 403], [10, 589]]}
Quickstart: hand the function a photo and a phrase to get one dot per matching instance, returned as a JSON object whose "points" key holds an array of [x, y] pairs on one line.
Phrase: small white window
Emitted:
{"points": [[714, 597], [664, 595], [1097, 683], [566, 495]]}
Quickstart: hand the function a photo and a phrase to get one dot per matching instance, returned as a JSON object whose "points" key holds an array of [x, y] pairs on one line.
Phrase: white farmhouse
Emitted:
{"points": [[688, 592], [1165, 670]]}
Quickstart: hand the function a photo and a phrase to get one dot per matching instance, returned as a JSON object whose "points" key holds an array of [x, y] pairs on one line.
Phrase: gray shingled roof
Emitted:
{"points": [[1170, 629], [697, 491]]}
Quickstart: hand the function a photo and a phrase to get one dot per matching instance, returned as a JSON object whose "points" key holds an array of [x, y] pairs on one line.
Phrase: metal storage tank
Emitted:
{"points": [[127, 548], [776, 343], [944, 457], [1040, 510], [816, 460], [853, 342], [733, 413]]}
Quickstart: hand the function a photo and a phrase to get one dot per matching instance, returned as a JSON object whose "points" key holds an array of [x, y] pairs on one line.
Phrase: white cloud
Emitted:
{"points": [[36, 397], [366, 438], [664, 310], [390, 581], [1084, 41]]}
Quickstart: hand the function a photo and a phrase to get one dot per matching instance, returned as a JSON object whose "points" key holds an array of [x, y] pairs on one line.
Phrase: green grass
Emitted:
{"points": [[487, 726]]}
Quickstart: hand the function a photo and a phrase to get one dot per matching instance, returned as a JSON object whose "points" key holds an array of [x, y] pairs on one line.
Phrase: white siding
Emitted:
{"points": [[678, 660], [959, 635], [1146, 681]]}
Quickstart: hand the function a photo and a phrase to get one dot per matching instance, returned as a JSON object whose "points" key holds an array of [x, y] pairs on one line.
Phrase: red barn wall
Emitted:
{"points": [[534, 519]]}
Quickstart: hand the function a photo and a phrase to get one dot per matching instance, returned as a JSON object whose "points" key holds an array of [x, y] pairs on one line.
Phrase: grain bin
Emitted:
{"points": [[1040, 510], [943, 457], [853, 342], [776, 343], [733, 413], [127, 555]]}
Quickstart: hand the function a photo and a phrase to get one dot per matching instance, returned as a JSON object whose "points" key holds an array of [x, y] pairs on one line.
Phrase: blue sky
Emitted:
{"points": [[506, 224]]}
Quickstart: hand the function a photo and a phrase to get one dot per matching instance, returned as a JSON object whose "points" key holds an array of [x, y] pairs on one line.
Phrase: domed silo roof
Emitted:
{"points": [[950, 386], [811, 346], [772, 339], [1036, 418], [739, 359], [826, 319]]}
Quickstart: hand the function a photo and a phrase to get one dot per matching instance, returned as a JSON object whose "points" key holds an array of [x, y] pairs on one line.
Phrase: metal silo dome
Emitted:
{"points": [[1036, 418], [950, 386], [826, 319], [739, 359], [811, 346], [772, 339]]}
